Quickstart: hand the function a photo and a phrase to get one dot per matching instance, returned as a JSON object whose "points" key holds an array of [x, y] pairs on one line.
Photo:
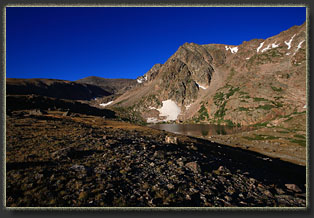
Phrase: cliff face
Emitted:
{"points": [[251, 83]]}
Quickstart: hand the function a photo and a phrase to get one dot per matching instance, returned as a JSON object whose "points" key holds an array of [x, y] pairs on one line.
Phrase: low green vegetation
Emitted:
{"points": [[277, 104], [298, 141], [221, 112], [261, 137], [300, 136], [265, 107], [219, 96], [278, 97], [243, 109], [203, 113], [268, 106], [243, 93], [263, 58], [295, 112], [261, 124], [259, 99], [128, 114], [232, 91], [290, 118], [220, 100], [276, 89], [275, 53], [283, 131]]}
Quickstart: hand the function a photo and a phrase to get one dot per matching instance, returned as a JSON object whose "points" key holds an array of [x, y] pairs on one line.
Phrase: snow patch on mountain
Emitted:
{"points": [[142, 79], [203, 87], [267, 48], [260, 46], [299, 46], [105, 104], [139, 80], [289, 43], [170, 110], [270, 46], [274, 45], [233, 50]]}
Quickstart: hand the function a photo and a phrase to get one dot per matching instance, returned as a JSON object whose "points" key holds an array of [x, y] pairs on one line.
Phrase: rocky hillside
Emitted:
{"points": [[256, 82], [61, 89]]}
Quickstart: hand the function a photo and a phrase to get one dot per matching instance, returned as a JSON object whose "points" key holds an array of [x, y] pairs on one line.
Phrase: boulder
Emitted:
{"points": [[194, 167], [37, 112], [67, 113], [171, 140], [293, 187]]}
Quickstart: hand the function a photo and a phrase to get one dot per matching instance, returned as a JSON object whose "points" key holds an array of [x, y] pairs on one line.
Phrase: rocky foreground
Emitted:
{"points": [[62, 159]]}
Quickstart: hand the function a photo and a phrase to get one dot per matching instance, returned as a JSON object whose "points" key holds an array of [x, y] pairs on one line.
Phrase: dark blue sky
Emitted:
{"points": [[73, 43]]}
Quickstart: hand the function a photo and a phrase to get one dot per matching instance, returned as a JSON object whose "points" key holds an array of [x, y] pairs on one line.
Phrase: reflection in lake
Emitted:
{"points": [[200, 130]]}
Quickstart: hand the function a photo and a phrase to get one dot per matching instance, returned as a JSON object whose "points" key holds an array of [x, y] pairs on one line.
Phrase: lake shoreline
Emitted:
{"points": [[275, 144]]}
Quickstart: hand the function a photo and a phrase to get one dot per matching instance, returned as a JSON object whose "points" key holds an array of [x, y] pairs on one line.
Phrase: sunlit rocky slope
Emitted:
{"points": [[258, 82]]}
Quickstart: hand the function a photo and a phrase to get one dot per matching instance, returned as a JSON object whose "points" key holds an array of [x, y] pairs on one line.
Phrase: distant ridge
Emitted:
{"points": [[62, 89], [114, 86]]}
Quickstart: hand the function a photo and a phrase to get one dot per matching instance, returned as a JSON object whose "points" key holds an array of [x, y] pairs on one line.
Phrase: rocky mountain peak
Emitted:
{"points": [[216, 83], [149, 75]]}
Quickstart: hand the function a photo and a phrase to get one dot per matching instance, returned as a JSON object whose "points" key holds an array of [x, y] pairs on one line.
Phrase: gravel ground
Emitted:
{"points": [[73, 161]]}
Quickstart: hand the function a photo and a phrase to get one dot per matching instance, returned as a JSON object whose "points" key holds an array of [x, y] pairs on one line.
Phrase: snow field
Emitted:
{"points": [[170, 110]]}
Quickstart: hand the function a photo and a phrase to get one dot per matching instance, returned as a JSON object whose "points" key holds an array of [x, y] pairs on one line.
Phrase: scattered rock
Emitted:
{"points": [[221, 168], [83, 196], [67, 113], [77, 167], [268, 193], [293, 187], [170, 186], [37, 112], [279, 191], [128, 175], [180, 163], [159, 154], [171, 140], [193, 166], [64, 153]]}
